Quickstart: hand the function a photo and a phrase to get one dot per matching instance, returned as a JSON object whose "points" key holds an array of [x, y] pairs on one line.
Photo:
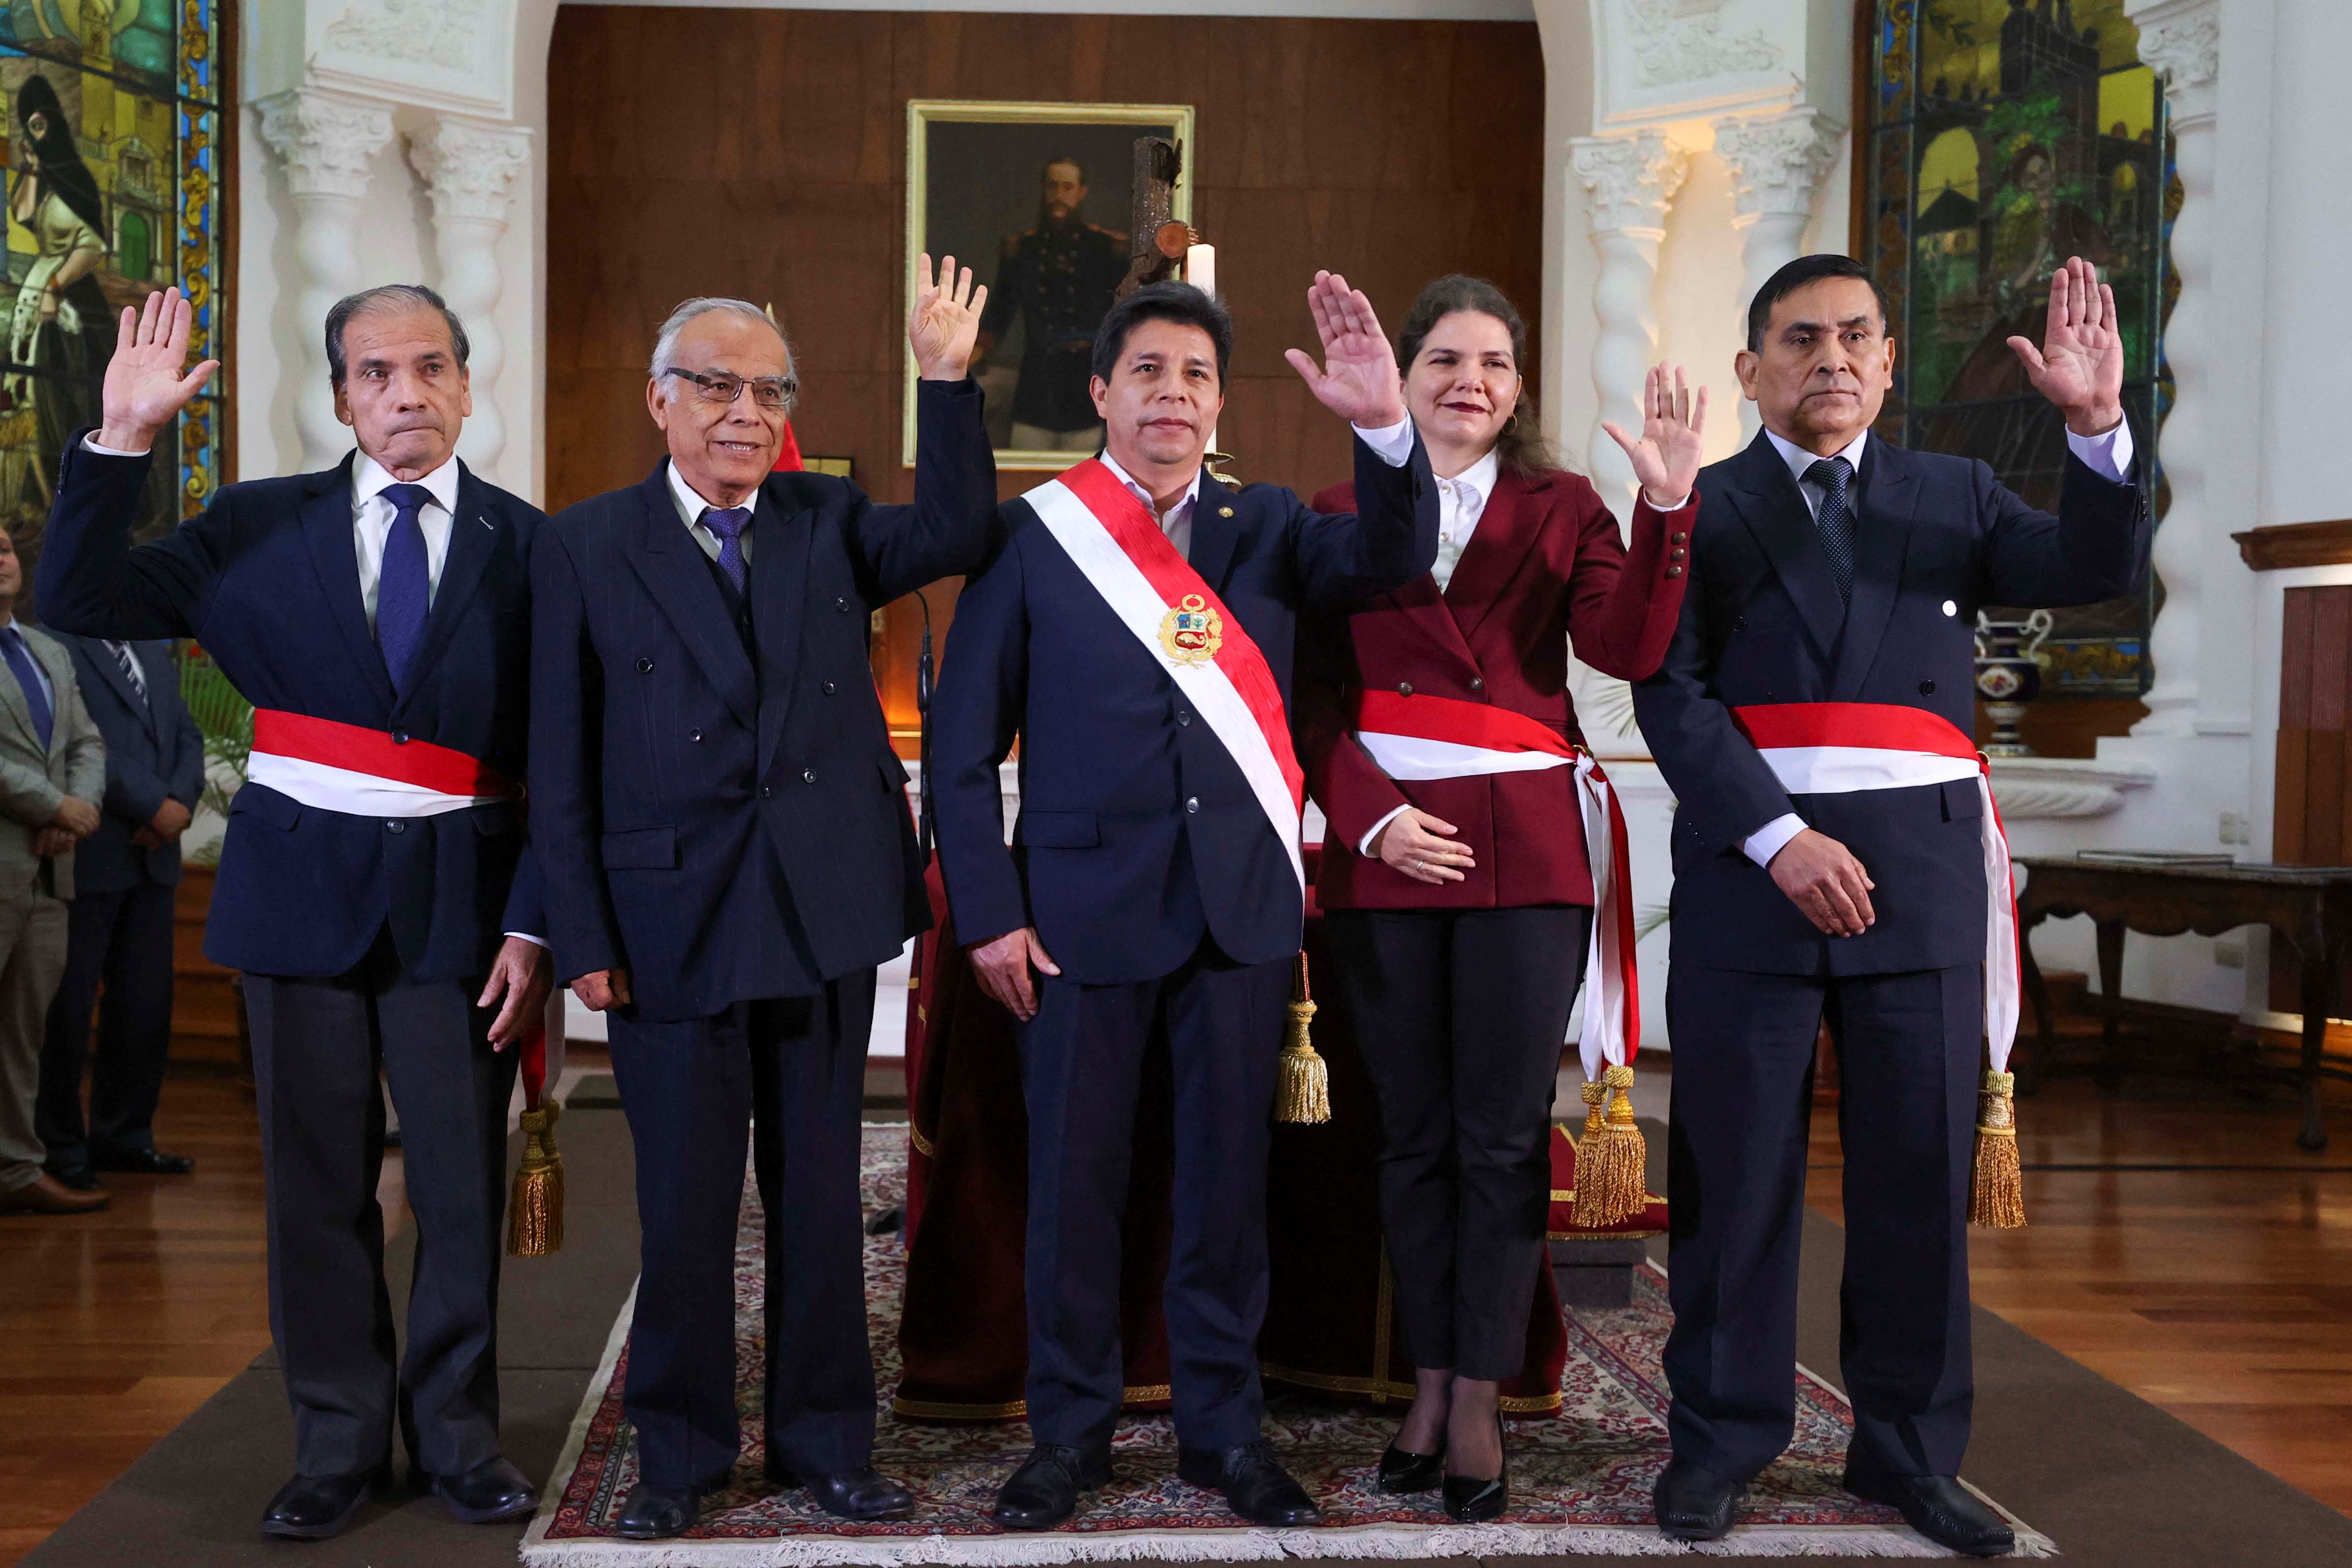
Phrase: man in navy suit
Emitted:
{"points": [[1837, 577], [729, 856], [1153, 887], [376, 887], [119, 929]]}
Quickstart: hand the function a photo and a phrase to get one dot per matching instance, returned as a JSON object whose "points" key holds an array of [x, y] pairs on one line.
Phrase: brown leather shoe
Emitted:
{"points": [[46, 1194]]}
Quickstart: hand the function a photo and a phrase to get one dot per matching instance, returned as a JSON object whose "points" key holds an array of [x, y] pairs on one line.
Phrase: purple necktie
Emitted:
{"points": [[727, 525], [405, 590]]}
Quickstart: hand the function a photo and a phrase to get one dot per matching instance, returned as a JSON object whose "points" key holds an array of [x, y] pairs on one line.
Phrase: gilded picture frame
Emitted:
{"points": [[992, 182]]}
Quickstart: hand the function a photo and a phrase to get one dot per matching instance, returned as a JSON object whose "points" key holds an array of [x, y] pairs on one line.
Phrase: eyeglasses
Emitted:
{"points": [[768, 391]]}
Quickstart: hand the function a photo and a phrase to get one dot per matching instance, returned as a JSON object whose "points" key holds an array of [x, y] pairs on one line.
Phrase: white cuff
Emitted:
{"points": [[1653, 506], [534, 941], [1364, 845], [90, 444], [1772, 838], [1392, 443], [2108, 456]]}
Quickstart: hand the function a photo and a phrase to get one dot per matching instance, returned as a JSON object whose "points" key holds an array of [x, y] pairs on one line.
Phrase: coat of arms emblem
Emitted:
{"points": [[1191, 633]]}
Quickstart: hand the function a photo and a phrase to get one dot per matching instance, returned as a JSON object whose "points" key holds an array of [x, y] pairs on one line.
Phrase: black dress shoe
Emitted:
{"points": [[1938, 1508], [655, 1514], [1402, 1472], [1044, 1490], [863, 1495], [1470, 1500], [76, 1178], [491, 1491], [312, 1508], [144, 1162], [1696, 1504], [1255, 1485]]}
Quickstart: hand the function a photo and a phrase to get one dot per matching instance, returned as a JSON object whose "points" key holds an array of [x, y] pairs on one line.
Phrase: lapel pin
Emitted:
{"points": [[1224, 512], [486, 523]]}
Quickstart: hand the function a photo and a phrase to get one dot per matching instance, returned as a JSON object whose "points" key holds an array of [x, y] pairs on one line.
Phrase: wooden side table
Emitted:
{"points": [[2309, 907]]}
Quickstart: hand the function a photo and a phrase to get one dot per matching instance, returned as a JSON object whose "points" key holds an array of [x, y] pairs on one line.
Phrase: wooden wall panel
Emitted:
{"points": [[1391, 152], [2310, 804]]}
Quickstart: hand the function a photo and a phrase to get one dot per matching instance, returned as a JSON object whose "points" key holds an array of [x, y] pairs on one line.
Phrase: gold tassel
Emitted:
{"points": [[1305, 1094], [535, 1208], [1612, 1161], [1997, 1192]]}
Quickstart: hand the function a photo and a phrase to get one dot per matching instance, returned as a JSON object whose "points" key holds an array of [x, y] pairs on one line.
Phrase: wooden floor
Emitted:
{"points": [[2215, 1282]]}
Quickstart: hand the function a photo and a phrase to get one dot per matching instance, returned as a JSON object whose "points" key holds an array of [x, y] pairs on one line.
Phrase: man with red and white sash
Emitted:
{"points": [[1134, 636], [1833, 857]]}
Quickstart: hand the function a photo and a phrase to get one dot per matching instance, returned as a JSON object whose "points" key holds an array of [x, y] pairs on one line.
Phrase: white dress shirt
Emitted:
{"points": [[690, 503], [371, 524], [2108, 456], [1392, 443]]}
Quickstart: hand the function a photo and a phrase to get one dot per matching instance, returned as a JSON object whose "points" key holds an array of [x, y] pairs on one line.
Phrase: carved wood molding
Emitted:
{"points": [[2296, 544]]}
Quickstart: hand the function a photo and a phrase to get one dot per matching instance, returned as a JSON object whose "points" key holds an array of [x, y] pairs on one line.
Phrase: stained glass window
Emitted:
{"points": [[111, 130], [2005, 136]]}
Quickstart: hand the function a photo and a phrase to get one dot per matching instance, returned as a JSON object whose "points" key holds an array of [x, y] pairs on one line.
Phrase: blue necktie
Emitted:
{"points": [[1836, 523], [404, 591], [727, 525], [29, 677]]}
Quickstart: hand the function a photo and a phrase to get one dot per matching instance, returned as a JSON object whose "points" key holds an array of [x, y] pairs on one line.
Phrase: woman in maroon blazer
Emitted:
{"points": [[1460, 906]]}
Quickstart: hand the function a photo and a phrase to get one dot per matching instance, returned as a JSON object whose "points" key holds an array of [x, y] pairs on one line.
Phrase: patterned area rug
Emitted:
{"points": [[1579, 1482]]}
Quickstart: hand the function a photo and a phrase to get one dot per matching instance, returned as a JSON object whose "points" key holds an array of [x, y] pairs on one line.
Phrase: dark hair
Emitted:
{"points": [[1521, 446], [1073, 163], [390, 298], [62, 170], [1170, 301], [1796, 275]]}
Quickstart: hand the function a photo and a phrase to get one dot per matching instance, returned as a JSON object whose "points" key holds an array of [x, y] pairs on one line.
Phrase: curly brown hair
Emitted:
{"points": [[1522, 446]]}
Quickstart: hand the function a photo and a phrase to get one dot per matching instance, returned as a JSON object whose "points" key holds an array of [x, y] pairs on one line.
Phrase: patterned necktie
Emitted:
{"points": [[28, 680], [1836, 523], [405, 590], [726, 524], [1455, 538], [137, 677]]}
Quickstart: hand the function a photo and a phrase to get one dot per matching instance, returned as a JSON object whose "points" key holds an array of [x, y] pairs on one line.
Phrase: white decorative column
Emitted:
{"points": [[1776, 162], [467, 166], [2182, 40], [325, 141], [1629, 182]]}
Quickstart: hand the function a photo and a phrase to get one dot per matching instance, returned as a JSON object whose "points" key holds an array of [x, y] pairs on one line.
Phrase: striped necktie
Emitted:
{"points": [[124, 656]]}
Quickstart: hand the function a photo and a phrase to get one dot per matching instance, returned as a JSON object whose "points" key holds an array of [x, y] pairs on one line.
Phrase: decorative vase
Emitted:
{"points": [[2008, 676]]}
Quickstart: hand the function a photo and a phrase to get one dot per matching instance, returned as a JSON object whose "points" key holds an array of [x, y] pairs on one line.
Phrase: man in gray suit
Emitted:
{"points": [[126, 887], [52, 774]]}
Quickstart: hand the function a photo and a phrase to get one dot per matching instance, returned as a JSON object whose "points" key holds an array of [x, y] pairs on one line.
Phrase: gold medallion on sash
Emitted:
{"points": [[1191, 633]]}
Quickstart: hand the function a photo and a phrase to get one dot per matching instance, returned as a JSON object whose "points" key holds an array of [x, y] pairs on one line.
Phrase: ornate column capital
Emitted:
{"points": [[1776, 160], [468, 166], [2181, 40], [324, 139], [1628, 181]]}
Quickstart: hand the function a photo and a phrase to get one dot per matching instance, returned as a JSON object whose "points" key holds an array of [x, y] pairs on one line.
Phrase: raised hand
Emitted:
{"points": [[2080, 365], [1358, 380], [945, 321], [145, 387], [1665, 460]]}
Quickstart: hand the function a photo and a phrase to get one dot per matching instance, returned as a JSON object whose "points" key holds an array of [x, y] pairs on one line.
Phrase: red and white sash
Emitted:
{"points": [[365, 773], [1118, 547], [1422, 737], [1835, 747]]}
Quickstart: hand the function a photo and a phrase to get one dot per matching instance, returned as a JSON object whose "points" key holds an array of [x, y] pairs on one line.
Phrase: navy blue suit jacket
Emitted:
{"points": [[1935, 537], [1137, 830], [268, 579], [724, 831], [154, 752]]}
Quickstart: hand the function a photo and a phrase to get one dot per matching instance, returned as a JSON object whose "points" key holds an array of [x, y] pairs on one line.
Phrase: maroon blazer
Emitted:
{"points": [[1545, 564]]}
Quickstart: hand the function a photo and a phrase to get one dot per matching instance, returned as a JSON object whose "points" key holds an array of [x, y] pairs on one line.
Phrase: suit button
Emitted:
{"points": [[1184, 716], [1674, 571], [829, 688], [395, 825], [808, 775], [1740, 623], [765, 792], [1678, 538], [1676, 554], [1927, 689], [1192, 802], [695, 736], [645, 667], [400, 737], [842, 605], [1478, 683], [1404, 689]]}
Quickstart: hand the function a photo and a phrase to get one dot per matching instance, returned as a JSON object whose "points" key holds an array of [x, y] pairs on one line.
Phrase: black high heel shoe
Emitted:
{"points": [[1402, 1473], [1470, 1500]]}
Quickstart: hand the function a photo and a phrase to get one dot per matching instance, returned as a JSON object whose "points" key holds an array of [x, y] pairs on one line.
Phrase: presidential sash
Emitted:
{"points": [[1422, 737], [349, 768], [1117, 546]]}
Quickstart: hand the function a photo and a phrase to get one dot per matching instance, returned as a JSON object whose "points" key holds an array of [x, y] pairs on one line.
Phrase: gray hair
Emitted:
{"points": [[388, 300], [665, 341]]}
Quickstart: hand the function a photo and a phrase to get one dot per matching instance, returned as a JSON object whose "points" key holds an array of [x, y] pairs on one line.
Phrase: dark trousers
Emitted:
{"points": [[693, 1089], [1461, 1015], [1082, 1061], [317, 1048], [122, 939], [1909, 1055]]}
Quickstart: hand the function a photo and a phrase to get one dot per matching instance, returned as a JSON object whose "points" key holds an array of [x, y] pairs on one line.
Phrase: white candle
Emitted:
{"points": [[1200, 268]]}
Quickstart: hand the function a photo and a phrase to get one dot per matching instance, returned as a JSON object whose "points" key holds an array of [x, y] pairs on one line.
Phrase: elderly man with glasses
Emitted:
{"points": [[729, 855]]}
